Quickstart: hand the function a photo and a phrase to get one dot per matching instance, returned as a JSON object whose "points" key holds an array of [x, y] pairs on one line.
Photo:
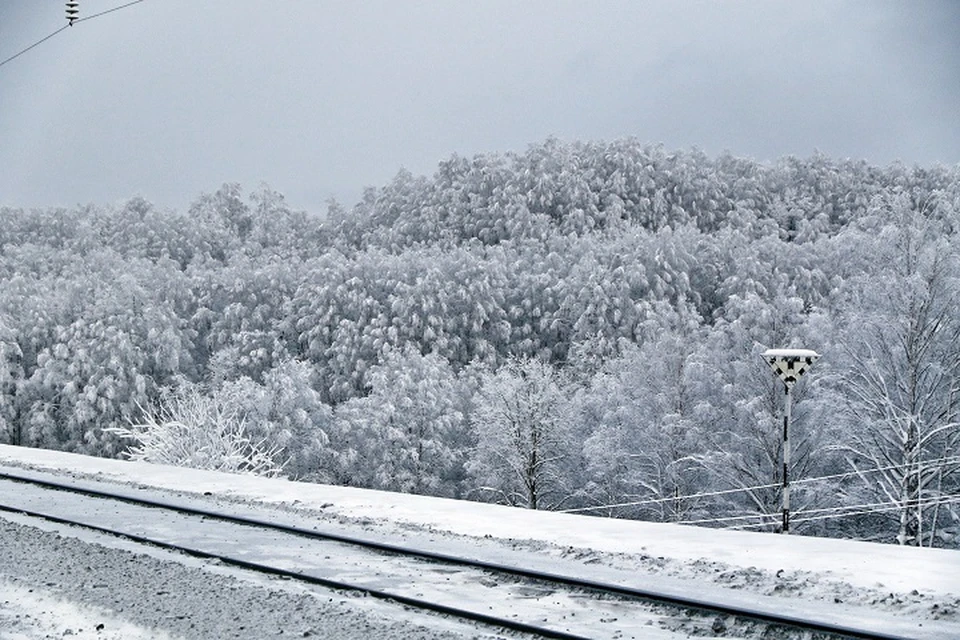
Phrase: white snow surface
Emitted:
{"points": [[905, 583], [27, 613], [790, 353]]}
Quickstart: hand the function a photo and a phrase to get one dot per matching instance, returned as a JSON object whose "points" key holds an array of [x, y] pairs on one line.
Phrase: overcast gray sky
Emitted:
{"points": [[170, 98]]}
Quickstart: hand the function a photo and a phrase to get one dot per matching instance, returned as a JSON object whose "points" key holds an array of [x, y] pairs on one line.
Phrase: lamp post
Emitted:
{"points": [[789, 365]]}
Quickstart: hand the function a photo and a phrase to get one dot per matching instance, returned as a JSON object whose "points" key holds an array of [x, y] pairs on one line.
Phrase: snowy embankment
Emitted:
{"points": [[912, 585]]}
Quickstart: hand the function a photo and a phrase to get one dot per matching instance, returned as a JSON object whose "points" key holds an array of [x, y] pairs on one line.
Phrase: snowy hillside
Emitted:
{"points": [[912, 585], [614, 299], [568, 333]]}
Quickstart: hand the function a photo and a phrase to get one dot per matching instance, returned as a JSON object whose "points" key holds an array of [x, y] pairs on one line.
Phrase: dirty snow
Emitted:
{"points": [[28, 612]]}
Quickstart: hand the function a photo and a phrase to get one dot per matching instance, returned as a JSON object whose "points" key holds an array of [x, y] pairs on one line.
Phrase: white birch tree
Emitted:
{"points": [[524, 429], [901, 386]]}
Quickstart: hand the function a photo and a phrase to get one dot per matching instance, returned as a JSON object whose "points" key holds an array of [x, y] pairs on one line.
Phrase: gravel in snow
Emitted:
{"points": [[132, 596]]}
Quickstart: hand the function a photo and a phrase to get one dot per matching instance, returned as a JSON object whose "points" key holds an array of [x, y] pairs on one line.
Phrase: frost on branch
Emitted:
{"points": [[189, 429], [525, 438]]}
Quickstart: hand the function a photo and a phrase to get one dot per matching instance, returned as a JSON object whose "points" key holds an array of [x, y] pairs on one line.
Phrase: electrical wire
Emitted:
{"points": [[44, 39], [881, 506], [850, 474], [671, 498], [837, 512], [35, 44], [103, 13], [926, 503], [866, 505], [835, 476], [752, 516], [827, 512]]}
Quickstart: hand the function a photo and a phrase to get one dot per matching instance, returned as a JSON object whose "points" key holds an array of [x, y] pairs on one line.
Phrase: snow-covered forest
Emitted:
{"points": [[578, 326]]}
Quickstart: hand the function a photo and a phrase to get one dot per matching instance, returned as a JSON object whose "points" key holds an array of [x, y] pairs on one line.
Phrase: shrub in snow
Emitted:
{"points": [[190, 429]]}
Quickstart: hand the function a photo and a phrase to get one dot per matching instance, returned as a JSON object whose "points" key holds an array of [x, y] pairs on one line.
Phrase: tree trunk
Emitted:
{"points": [[909, 533], [532, 472]]}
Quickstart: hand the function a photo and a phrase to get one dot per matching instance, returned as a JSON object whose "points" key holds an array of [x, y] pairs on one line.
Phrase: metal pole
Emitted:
{"points": [[789, 365], [786, 461]]}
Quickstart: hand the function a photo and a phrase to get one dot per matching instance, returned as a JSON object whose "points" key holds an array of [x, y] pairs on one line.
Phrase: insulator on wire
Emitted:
{"points": [[73, 11]]}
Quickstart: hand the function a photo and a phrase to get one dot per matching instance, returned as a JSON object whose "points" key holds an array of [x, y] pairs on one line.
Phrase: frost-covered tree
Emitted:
{"points": [[286, 411], [109, 352], [571, 253], [11, 380], [525, 436], [740, 408], [900, 384], [409, 434], [641, 416], [191, 429]]}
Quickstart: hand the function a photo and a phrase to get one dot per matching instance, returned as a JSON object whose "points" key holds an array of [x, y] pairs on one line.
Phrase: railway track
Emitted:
{"points": [[417, 578]]}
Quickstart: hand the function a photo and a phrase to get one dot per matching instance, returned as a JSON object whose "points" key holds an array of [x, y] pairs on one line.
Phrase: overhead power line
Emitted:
{"points": [[35, 44], [694, 496], [77, 20], [103, 13], [870, 509], [831, 512]]}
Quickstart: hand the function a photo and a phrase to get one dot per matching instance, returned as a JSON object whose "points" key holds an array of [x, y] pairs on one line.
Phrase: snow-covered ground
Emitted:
{"points": [[28, 612], [917, 589]]}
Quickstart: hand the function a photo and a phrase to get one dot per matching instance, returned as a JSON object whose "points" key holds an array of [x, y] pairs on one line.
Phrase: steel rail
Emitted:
{"points": [[465, 614], [653, 596]]}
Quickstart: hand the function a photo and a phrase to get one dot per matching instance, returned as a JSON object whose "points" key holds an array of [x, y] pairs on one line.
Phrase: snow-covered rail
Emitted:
{"points": [[482, 591]]}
